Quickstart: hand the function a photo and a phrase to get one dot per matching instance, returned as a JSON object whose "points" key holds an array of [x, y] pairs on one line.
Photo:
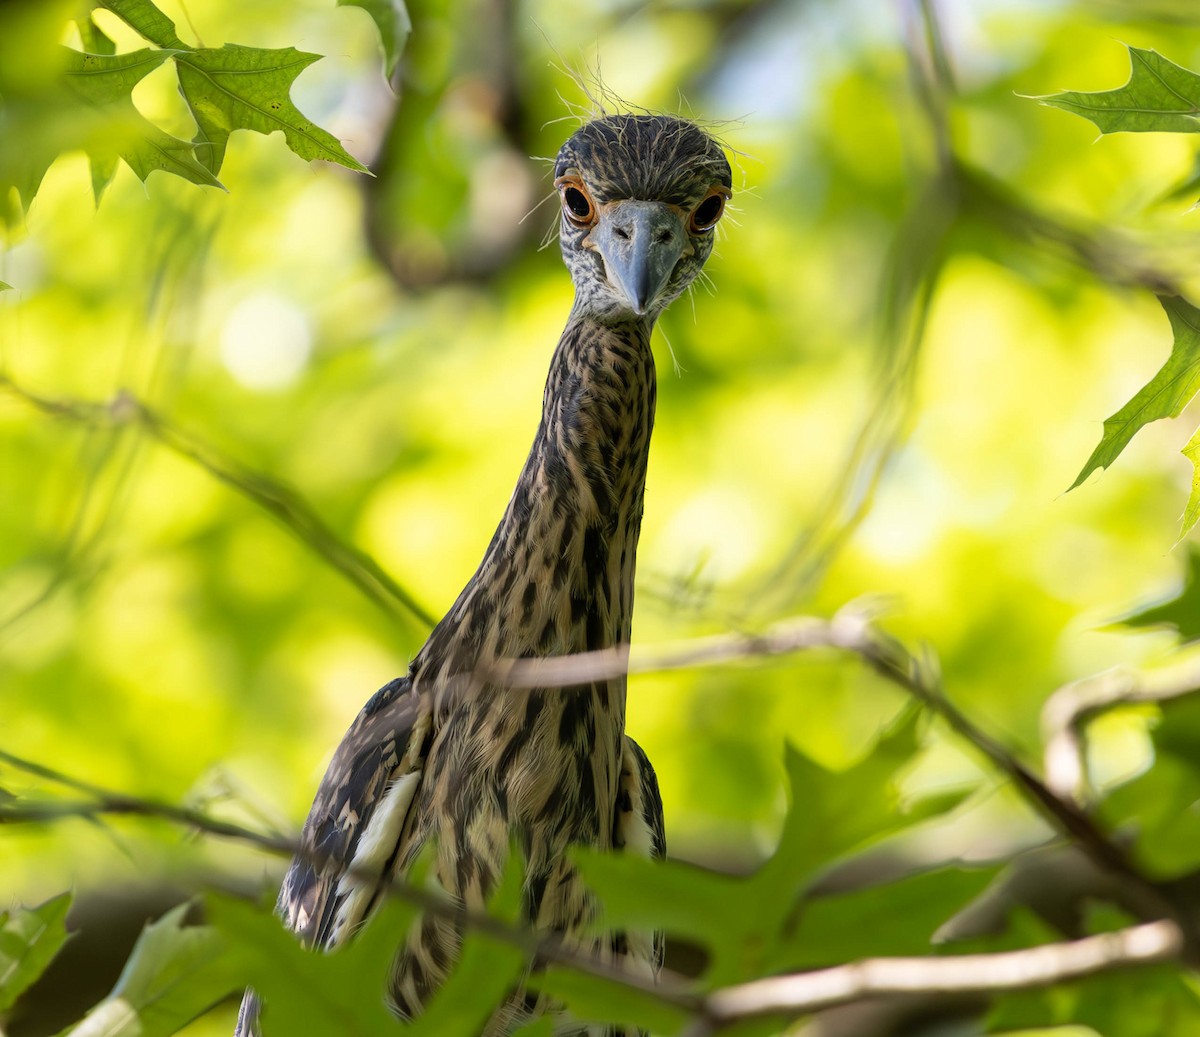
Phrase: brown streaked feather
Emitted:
{"points": [[451, 758]]}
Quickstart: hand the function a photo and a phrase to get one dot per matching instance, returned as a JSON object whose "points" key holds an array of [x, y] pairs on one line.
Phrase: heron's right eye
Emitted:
{"points": [[577, 204]]}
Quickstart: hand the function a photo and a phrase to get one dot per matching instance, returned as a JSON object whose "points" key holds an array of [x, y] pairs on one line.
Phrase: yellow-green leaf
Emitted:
{"points": [[1160, 96], [394, 25], [29, 940], [236, 88], [1164, 396]]}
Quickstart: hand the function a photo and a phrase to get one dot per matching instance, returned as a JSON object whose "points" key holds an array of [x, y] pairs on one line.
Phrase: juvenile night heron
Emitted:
{"points": [[452, 757]]}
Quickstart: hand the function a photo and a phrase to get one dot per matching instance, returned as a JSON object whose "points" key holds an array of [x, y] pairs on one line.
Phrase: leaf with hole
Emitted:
{"points": [[248, 88]]}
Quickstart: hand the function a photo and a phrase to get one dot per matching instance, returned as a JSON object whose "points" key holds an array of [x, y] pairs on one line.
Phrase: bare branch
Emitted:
{"points": [[1025, 969], [1072, 707], [791, 995], [852, 630]]}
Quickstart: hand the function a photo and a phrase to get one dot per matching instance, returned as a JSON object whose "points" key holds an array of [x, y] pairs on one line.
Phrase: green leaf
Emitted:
{"points": [[1191, 512], [103, 79], [29, 940], [1164, 396], [174, 974], [147, 20], [599, 1000], [1160, 96], [120, 130], [741, 920], [5, 286], [93, 38], [486, 973], [897, 918], [1181, 612], [305, 992], [236, 87], [835, 812], [394, 25]]}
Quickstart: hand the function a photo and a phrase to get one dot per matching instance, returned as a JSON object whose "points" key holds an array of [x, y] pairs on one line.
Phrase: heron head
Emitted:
{"points": [[641, 197]]}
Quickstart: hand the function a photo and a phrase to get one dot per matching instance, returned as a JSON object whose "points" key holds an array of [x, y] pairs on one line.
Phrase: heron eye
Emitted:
{"points": [[577, 204], [706, 214]]}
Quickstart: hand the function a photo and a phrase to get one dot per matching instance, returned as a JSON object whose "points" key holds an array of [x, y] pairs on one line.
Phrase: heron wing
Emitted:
{"points": [[353, 831], [357, 818], [638, 828]]}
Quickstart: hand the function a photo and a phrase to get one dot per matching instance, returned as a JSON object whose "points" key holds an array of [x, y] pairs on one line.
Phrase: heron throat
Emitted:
{"points": [[557, 577]]}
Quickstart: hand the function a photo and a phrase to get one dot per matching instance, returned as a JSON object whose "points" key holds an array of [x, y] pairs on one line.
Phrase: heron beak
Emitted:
{"points": [[640, 243]]}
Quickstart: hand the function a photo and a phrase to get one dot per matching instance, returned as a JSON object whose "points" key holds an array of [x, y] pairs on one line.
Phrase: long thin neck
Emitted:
{"points": [[558, 575]]}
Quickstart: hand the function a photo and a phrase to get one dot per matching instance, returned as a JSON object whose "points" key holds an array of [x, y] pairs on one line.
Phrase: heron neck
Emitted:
{"points": [[558, 575]]}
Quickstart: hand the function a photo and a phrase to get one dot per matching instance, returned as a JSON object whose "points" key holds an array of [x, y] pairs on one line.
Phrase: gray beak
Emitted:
{"points": [[640, 242]]}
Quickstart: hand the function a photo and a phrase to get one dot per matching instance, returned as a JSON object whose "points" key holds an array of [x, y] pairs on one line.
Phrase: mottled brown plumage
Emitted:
{"points": [[446, 756]]}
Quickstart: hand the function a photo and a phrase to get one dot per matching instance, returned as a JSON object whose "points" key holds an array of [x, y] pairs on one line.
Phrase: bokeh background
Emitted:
{"points": [[380, 346]]}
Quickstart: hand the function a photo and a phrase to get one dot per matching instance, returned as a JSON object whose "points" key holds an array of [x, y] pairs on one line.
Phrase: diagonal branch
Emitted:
{"points": [[788, 995], [279, 500], [851, 630]]}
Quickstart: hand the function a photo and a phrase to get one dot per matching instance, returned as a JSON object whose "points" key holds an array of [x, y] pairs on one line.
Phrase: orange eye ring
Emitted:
{"points": [[577, 204], [705, 216]]}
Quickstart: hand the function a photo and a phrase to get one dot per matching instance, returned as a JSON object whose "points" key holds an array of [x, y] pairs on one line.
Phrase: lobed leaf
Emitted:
{"points": [[147, 20], [174, 974], [599, 1000], [1164, 396], [105, 82], [235, 87], [1160, 96], [104, 79], [1182, 612], [29, 940], [304, 992], [394, 25]]}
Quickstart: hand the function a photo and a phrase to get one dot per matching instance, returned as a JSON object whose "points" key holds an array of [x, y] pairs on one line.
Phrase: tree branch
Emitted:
{"points": [[280, 501], [852, 630], [1067, 713], [790, 995], [1041, 966]]}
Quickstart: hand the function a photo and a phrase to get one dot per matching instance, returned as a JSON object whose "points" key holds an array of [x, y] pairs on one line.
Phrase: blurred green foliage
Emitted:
{"points": [[924, 303]]}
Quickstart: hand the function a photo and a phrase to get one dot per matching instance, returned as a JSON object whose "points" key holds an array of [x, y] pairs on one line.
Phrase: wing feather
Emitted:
{"points": [[355, 825]]}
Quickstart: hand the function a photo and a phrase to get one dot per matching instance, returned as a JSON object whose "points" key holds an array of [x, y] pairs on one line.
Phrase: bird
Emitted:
{"points": [[452, 762]]}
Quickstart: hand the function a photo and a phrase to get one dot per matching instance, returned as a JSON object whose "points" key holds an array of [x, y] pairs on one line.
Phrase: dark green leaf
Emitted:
{"points": [[101, 79], [1160, 95], [175, 973], [248, 88], [304, 992], [1164, 396], [147, 20], [5, 286], [391, 18], [29, 940], [834, 812], [120, 130], [1181, 612], [896, 918], [599, 1000]]}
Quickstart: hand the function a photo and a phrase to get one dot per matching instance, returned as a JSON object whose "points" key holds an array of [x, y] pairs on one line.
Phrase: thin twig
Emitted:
{"points": [[282, 502], [1072, 707], [851, 630], [544, 946], [790, 995]]}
